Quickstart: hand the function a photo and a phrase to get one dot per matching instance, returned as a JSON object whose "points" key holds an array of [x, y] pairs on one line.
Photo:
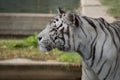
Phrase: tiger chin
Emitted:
{"points": [[96, 40]]}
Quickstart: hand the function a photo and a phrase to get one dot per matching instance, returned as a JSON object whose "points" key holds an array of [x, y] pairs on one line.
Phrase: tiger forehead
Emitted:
{"points": [[58, 17]]}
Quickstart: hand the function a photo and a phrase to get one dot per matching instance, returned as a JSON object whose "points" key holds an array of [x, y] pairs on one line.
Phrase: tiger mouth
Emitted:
{"points": [[44, 48]]}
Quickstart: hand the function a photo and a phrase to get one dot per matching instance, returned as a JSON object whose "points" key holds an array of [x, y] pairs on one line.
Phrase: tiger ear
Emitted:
{"points": [[60, 11], [72, 18]]}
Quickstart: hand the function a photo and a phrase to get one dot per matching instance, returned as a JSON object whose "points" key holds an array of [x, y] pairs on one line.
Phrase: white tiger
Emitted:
{"points": [[97, 41]]}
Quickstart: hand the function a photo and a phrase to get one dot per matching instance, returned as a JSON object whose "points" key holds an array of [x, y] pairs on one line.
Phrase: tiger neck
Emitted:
{"points": [[82, 45], [87, 37]]}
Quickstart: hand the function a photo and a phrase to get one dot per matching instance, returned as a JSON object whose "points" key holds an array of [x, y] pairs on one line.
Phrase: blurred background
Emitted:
{"points": [[25, 17]]}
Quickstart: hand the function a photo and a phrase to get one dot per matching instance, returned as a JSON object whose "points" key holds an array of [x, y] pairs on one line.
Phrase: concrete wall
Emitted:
{"points": [[26, 69], [22, 24]]}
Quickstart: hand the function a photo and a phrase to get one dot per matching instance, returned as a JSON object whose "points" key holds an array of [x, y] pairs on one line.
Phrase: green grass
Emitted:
{"points": [[25, 43], [114, 7], [70, 57], [27, 48]]}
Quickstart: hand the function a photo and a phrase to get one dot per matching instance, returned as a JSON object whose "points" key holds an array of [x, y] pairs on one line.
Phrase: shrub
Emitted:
{"points": [[70, 57], [29, 42], [32, 40], [114, 7]]}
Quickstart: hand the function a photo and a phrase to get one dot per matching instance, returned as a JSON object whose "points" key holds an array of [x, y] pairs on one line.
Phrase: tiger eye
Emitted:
{"points": [[56, 37], [57, 20]]}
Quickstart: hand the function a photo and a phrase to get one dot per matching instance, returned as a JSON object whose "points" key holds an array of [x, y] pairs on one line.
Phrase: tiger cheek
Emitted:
{"points": [[59, 43]]}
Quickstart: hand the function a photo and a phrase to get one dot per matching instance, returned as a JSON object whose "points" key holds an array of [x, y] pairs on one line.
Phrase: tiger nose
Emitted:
{"points": [[39, 38]]}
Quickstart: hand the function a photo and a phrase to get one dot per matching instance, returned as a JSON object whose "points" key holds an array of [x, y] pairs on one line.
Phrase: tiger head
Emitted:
{"points": [[59, 32]]}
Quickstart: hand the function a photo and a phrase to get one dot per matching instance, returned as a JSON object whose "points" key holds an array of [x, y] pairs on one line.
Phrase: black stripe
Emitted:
{"points": [[62, 32], [52, 39], [99, 71], [112, 35], [101, 54], [108, 73], [68, 33], [61, 25], [79, 51], [53, 29], [80, 25], [80, 21], [90, 22], [73, 41], [104, 22], [108, 26], [60, 15], [118, 36], [93, 57], [117, 32], [95, 28], [83, 32], [116, 66]]}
